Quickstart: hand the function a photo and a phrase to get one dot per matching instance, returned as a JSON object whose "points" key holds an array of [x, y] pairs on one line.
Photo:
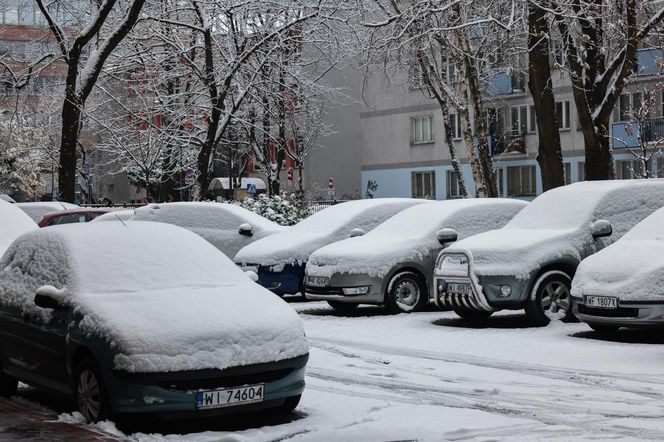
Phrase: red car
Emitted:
{"points": [[82, 215]]}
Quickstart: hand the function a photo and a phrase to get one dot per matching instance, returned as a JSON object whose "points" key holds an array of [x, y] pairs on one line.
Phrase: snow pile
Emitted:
{"points": [[275, 208], [556, 225], [13, 223], [217, 223], [325, 227], [631, 269], [411, 236], [37, 210], [191, 309]]}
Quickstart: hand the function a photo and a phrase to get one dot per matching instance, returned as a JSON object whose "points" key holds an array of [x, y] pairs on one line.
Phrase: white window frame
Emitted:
{"points": [[564, 116], [429, 138], [455, 122], [521, 111], [421, 177], [527, 180], [451, 174], [567, 169]]}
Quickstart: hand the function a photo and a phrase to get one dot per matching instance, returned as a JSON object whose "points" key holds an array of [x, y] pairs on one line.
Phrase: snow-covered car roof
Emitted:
{"points": [[115, 215], [165, 298], [37, 210], [632, 268], [13, 223], [557, 224], [327, 226], [411, 234]]}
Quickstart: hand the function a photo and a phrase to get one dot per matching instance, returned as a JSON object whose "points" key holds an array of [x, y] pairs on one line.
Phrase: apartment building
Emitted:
{"points": [[404, 153]]}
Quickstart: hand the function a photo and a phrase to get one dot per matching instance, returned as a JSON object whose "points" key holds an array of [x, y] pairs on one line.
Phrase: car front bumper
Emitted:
{"points": [[284, 282], [628, 314], [334, 291], [173, 395]]}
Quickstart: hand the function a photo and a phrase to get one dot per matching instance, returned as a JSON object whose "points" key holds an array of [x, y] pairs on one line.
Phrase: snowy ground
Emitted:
{"points": [[429, 376]]}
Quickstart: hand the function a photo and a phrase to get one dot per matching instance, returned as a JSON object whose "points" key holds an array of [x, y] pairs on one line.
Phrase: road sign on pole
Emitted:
{"points": [[251, 189]]}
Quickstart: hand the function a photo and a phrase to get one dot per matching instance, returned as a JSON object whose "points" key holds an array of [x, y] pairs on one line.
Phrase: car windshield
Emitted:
{"points": [[651, 228], [419, 221]]}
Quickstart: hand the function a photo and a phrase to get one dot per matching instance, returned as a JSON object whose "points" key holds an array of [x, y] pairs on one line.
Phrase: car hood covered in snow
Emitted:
{"points": [[13, 223], [410, 236], [631, 269], [163, 297], [327, 226]]}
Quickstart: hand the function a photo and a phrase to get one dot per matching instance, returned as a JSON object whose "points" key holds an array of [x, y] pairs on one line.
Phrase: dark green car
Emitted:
{"points": [[144, 318]]}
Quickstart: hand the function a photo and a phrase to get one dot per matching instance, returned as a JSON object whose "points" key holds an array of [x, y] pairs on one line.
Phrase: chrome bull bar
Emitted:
{"points": [[473, 301], [458, 300]]}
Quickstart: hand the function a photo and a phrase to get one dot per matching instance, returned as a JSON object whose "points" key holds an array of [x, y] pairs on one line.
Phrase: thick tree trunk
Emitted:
{"points": [[71, 122], [599, 157], [549, 154], [449, 139]]}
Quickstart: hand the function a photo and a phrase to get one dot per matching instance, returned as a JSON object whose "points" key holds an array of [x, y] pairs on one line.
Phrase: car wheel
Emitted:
{"points": [[8, 384], [406, 293], [91, 396], [550, 299], [603, 328], [342, 306], [290, 404], [473, 315]]}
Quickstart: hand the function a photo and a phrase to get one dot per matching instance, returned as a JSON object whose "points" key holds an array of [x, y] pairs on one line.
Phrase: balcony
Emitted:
{"points": [[627, 134], [504, 84], [511, 141], [646, 62]]}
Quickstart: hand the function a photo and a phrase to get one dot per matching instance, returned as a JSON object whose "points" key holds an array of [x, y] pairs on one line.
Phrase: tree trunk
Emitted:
{"points": [[71, 122], [449, 139], [549, 154]]}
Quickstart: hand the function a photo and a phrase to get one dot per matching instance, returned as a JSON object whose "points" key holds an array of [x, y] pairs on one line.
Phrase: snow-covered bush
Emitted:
{"points": [[275, 208]]}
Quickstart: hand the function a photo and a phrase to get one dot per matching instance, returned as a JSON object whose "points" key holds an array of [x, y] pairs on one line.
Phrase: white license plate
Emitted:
{"points": [[460, 288], [606, 302], [318, 281], [230, 396]]}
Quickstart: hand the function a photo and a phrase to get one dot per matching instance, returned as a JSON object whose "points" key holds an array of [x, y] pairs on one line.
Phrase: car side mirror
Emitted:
{"points": [[48, 297], [356, 232], [446, 236], [246, 230], [252, 275], [601, 228]]}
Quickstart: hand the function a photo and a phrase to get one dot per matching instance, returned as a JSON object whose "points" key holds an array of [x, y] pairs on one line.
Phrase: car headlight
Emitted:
{"points": [[356, 290], [505, 290]]}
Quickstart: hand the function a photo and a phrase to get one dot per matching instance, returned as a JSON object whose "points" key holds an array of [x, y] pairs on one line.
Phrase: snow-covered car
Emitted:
{"points": [[228, 227], [13, 223], [7, 198], [37, 210], [161, 322], [623, 285], [280, 260], [115, 215], [72, 216], [393, 264], [529, 264]]}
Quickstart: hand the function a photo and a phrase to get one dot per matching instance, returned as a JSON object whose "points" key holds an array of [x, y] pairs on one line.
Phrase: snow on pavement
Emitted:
{"points": [[431, 376]]}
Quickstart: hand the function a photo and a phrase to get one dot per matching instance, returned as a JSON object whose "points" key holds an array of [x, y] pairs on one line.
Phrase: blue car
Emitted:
{"points": [[280, 259], [144, 318]]}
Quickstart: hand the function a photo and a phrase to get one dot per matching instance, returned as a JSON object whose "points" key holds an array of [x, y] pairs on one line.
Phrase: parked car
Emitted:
{"points": [[115, 215], [161, 322], [37, 210], [529, 264], [393, 264], [13, 223], [78, 215], [7, 198], [623, 285], [228, 227], [280, 260]]}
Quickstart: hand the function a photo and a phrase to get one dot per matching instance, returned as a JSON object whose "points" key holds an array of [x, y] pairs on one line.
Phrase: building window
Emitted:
{"points": [[568, 173], [519, 119], [500, 175], [424, 184], [562, 111], [532, 120], [421, 129], [453, 187], [659, 167], [455, 122], [628, 169], [581, 170], [521, 181], [628, 105]]}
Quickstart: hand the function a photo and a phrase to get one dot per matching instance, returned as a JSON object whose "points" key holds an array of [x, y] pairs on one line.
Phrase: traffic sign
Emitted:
{"points": [[251, 189]]}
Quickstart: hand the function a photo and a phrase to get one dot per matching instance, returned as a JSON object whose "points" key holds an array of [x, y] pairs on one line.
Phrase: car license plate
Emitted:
{"points": [[460, 288], [606, 302], [231, 396], [318, 281]]}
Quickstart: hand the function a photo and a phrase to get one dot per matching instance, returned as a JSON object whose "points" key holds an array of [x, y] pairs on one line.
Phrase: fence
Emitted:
{"points": [[317, 206]]}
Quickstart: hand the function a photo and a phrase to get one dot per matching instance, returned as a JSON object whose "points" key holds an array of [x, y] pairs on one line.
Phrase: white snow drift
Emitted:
{"points": [[217, 223], [327, 226], [411, 236], [163, 297]]}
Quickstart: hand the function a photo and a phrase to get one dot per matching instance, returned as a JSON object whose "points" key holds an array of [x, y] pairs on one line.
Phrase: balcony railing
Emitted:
{"points": [[627, 134], [511, 141]]}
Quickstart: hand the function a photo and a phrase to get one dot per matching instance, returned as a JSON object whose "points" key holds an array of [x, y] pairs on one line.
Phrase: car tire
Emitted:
{"points": [[603, 328], [342, 306], [406, 293], [550, 299], [91, 394], [8, 384], [473, 315], [290, 404]]}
